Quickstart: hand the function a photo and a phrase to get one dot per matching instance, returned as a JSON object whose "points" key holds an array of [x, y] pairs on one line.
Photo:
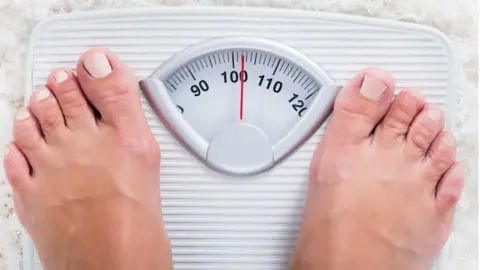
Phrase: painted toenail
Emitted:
{"points": [[412, 98], [97, 65], [449, 140], [22, 114], [372, 87], [42, 93], [434, 114], [61, 76]]}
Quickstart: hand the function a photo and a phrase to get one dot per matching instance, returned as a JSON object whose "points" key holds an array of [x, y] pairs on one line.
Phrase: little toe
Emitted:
{"points": [[17, 169], [360, 105], [45, 107], [76, 110], [424, 129], [399, 117], [111, 87], [441, 155], [449, 189]]}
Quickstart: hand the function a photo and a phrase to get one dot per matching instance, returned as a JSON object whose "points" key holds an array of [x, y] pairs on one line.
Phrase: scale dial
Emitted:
{"points": [[231, 87], [240, 104]]}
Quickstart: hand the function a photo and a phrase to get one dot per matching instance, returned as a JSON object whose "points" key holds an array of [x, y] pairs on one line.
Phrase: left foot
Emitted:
{"points": [[86, 187]]}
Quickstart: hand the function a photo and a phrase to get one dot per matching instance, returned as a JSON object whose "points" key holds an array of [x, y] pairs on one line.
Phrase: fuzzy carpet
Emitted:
{"points": [[457, 19]]}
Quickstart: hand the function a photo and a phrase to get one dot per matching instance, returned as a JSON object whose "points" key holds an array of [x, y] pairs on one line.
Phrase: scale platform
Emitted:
{"points": [[216, 221]]}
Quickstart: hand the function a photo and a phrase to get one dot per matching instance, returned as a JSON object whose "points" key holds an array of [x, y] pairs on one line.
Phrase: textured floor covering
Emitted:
{"points": [[457, 19]]}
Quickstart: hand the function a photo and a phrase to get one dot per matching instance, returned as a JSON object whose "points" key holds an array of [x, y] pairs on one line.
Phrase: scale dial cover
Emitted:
{"points": [[251, 222], [241, 104]]}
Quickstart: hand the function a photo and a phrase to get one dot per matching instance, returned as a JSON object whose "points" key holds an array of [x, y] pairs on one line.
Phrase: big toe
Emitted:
{"points": [[360, 105], [111, 86]]}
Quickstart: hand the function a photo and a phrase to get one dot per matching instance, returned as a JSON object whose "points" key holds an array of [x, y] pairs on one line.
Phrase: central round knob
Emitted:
{"points": [[240, 149]]}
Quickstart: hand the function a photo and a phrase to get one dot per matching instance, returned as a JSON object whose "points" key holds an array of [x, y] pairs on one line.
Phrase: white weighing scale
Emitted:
{"points": [[237, 98]]}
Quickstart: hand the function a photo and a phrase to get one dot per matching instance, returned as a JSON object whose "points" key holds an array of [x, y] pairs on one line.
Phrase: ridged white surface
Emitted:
{"points": [[216, 222]]}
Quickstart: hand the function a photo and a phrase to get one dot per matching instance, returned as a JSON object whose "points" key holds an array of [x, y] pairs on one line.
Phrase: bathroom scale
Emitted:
{"points": [[238, 99]]}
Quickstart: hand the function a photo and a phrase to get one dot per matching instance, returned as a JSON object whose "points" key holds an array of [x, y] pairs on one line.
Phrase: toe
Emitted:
{"points": [[17, 169], [424, 129], [449, 189], [441, 155], [45, 107], [76, 110], [360, 105], [399, 117], [27, 134], [111, 87]]}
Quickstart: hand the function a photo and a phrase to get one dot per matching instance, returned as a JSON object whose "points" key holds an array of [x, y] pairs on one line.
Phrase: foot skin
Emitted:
{"points": [[383, 182], [84, 168]]}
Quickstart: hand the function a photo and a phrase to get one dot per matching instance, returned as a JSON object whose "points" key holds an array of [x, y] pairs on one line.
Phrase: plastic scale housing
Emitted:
{"points": [[250, 220]]}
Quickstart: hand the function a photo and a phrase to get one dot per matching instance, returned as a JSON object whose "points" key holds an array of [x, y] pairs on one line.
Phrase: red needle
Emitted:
{"points": [[241, 87]]}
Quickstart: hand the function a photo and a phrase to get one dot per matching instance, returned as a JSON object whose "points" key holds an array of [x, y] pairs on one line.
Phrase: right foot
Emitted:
{"points": [[383, 182], [84, 167]]}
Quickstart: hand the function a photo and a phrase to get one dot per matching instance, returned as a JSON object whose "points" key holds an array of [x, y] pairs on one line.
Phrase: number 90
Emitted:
{"points": [[197, 89]]}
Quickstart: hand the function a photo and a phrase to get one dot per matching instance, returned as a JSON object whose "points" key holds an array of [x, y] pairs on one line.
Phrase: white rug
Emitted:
{"points": [[458, 19]]}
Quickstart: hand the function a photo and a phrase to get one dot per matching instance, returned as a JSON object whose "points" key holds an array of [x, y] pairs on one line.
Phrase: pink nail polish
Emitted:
{"points": [[61, 76], [98, 65], [434, 114], [22, 114], [372, 87], [42, 93]]}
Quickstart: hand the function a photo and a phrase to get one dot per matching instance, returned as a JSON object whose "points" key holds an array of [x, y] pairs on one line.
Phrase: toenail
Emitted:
{"points": [[449, 140], [434, 114], [42, 93], [22, 114], [412, 98], [6, 151], [61, 76], [97, 65], [372, 87]]}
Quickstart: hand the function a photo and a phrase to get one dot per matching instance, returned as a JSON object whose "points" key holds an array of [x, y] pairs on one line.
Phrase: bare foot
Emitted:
{"points": [[383, 183], [86, 188]]}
